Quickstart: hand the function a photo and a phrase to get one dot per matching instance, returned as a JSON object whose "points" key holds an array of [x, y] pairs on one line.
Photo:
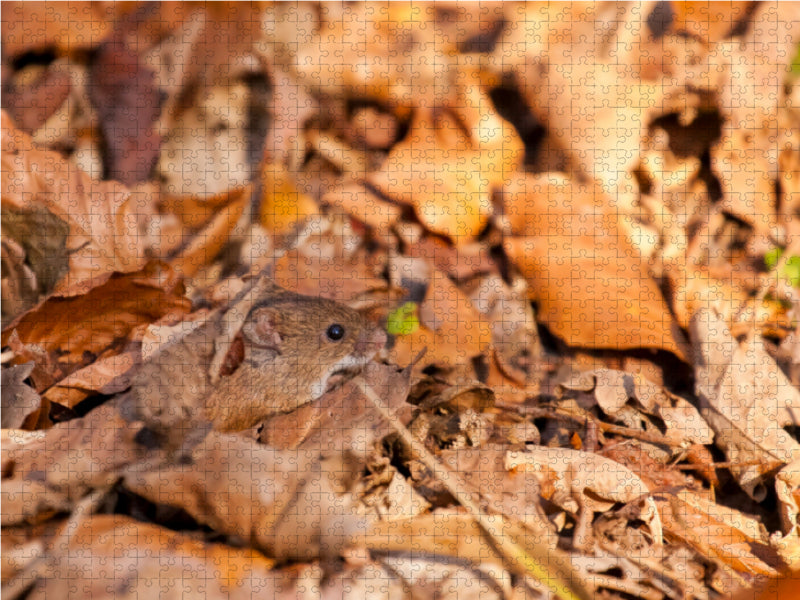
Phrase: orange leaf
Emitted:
{"points": [[592, 286]]}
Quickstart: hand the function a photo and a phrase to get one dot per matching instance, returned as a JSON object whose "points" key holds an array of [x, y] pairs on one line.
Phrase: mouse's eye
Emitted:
{"points": [[335, 332]]}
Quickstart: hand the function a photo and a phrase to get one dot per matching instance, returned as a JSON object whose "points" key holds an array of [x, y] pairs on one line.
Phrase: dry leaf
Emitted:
{"points": [[717, 531], [290, 503], [449, 162], [67, 460], [67, 26], [747, 401], [345, 411], [103, 220], [96, 322], [137, 559], [592, 286]]}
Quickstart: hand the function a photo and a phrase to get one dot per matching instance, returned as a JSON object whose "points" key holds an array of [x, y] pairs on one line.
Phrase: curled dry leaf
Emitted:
{"points": [[206, 244], [96, 322], [747, 401], [592, 285], [35, 94], [289, 503], [138, 559], [103, 220], [582, 482], [613, 389], [714, 530], [107, 375], [66, 461]]}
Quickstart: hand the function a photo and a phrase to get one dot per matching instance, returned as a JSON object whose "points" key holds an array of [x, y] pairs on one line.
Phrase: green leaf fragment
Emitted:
{"points": [[772, 257], [791, 271], [403, 320]]}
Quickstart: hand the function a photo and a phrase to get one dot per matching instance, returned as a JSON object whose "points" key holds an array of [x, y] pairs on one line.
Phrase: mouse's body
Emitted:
{"points": [[282, 357]]}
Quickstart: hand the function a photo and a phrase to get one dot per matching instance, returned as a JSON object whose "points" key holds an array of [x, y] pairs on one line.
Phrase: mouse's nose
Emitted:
{"points": [[369, 342]]}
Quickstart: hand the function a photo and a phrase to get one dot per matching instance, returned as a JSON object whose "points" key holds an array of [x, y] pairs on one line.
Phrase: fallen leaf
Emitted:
{"points": [[103, 218], [747, 401], [142, 559], [593, 288], [289, 503], [449, 163], [102, 318]]}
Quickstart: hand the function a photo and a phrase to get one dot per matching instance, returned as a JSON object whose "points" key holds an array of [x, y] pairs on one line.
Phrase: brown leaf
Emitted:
{"points": [[103, 217], [747, 401], [124, 93], [107, 375], [29, 26], [72, 457], [449, 162], [103, 318], [290, 503], [592, 286], [140, 559], [733, 538], [206, 244], [392, 52], [343, 419]]}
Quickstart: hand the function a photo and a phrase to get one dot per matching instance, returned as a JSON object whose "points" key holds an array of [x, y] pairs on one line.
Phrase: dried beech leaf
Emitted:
{"points": [[296, 505], [73, 457], [157, 562], [593, 287], [446, 170], [103, 217], [95, 322], [67, 25], [717, 531], [747, 401]]}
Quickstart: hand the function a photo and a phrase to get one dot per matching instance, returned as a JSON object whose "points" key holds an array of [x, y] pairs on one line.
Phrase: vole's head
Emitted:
{"points": [[312, 338]]}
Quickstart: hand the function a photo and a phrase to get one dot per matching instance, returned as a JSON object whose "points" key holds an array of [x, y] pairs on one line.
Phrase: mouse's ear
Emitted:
{"points": [[261, 329]]}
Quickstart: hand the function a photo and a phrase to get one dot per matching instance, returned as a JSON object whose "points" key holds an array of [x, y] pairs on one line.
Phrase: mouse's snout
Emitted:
{"points": [[370, 342]]}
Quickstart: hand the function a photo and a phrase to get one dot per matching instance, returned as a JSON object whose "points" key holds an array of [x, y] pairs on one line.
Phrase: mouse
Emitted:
{"points": [[283, 350]]}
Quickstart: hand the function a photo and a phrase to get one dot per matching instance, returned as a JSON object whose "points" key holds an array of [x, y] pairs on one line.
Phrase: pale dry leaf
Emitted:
{"points": [[104, 219], [107, 375], [72, 457], [735, 539], [342, 420], [141, 559], [290, 503], [747, 401]]}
